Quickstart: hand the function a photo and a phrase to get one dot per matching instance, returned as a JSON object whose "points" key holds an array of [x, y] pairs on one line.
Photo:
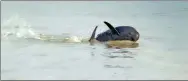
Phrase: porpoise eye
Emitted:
{"points": [[131, 33], [130, 36]]}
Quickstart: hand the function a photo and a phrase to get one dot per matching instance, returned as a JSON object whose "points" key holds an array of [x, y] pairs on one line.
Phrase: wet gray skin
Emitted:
{"points": [[116, 33]]}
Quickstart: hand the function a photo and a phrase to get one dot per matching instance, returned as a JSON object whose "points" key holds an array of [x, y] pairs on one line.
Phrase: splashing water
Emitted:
{"points": [[17, 27]]}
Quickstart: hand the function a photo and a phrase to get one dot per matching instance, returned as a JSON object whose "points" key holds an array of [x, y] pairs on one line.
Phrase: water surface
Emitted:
{"points": [[162, 53]]}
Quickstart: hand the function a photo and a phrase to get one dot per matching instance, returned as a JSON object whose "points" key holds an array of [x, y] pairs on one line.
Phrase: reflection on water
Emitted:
{"points": [[117, 56], [114, 58], [117, 66]]}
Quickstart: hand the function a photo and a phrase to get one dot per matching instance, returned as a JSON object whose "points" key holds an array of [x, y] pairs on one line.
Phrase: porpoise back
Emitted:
{"points": [[118, 33]]}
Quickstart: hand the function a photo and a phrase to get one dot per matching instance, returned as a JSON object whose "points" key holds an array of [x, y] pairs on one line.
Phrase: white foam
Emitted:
{"points": [[18, 27]]}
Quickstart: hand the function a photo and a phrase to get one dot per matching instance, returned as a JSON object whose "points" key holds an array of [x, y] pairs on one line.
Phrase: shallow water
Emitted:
{"points": [[162, 51]]}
